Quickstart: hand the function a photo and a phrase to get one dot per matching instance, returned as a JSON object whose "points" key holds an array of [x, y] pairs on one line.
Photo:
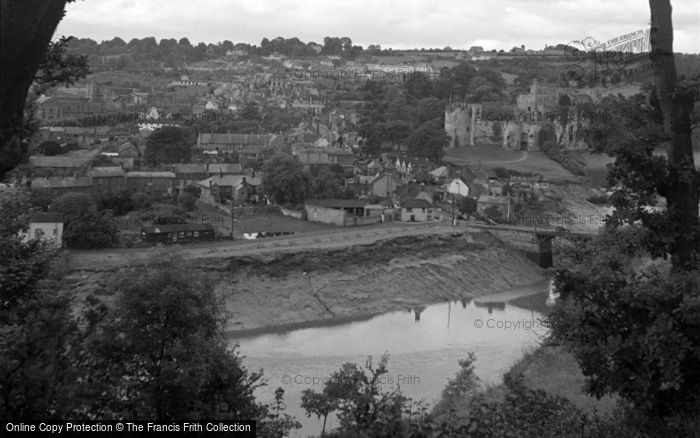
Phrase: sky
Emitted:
{"points": [[406, 24]]}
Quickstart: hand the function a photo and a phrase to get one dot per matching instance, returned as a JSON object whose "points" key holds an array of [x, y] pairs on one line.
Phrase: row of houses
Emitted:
{"points": [[113, 179]]}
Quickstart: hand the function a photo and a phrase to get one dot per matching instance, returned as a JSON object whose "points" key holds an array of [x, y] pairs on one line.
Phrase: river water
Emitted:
{"points": [[424, 347]]}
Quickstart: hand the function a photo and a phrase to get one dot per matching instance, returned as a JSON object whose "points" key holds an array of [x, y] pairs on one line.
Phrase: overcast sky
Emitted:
{"points": [[405, 24]]}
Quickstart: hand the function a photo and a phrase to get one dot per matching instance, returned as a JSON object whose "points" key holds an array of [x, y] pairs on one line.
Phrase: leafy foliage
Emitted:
{"points": [[429, 141], [363, 408], [284, 179], [169, 144], [633, 330], [84, 225], [60, 67], [640, 174]]}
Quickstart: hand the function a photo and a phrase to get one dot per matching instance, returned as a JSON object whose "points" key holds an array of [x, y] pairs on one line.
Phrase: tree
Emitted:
{"points": [[161, 353], [419, 85], [284, 179], [429, 109], [50, 148], [621, 305], [169, 144], [676, 101], [363, 408], [15, 210], [467, 205], [26, 29], [187, 201], [37, 376], [633, 330], [429, 141], [251, 111], [84, 225], [327, 183], [318, 404]]}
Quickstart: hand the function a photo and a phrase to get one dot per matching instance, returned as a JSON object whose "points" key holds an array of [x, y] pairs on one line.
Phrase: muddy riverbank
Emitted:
{"points": [[285, 289]]}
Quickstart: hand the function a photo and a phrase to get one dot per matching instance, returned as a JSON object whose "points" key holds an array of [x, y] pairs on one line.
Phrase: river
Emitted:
{"points": [[424, 347]]}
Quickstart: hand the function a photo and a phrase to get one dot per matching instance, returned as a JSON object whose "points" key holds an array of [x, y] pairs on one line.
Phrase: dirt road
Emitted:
{"points": [[112, 259]]}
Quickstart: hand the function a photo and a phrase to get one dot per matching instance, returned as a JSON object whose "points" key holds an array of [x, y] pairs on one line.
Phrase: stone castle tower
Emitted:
{"points": [[460, 120]]}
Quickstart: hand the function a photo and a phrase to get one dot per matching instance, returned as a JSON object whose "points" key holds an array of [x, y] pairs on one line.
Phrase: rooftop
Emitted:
{"points": [[417, 203], [101, 172], [234, 138], [176, 228], [58, 161], [231, 180], [47, 218], [158, 174], [337, 203], [57, 182]]}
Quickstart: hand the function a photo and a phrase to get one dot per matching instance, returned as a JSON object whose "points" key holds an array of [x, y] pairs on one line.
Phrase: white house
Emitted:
{"points": [[458, 187], [417, 210], [47, 227]]}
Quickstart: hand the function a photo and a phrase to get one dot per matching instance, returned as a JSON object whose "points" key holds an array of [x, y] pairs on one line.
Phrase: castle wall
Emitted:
{"points": [[456, 122], [466, 127]]}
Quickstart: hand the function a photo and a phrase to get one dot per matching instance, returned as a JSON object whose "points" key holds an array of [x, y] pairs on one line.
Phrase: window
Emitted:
{"points": [[188, 234], [181, 234], [38, 233], [196, 234], [410, 210]]}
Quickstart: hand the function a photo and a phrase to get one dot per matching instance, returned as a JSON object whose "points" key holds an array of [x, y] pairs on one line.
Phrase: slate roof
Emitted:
{"points": [[46, 218], [104, 172], [58, 161], [417, 203], [257, 139], [225, 168], [57, 182], [159, 174], [337, 203], [499, 200]]}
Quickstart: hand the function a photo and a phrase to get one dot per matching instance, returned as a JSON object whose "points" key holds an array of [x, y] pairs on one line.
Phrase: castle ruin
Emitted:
{"points": [[545, 114]]}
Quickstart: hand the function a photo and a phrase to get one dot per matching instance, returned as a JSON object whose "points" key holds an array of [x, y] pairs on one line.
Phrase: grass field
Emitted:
{"points": [[491, 157], [553, 369]]}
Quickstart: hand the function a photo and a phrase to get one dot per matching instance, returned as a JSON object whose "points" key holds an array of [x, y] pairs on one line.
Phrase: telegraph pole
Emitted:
{"points": [[231, 216]]}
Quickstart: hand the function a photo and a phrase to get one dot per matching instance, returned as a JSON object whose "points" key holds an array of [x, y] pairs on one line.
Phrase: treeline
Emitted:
{"points": [[173, 53]]}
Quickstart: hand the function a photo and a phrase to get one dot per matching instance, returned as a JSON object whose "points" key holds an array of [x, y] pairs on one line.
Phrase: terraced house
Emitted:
{"points": [[248, 146]]}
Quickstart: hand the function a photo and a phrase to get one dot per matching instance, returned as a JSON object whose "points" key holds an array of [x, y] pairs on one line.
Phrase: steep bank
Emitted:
{"points": [[285, 288], [394, 274]]}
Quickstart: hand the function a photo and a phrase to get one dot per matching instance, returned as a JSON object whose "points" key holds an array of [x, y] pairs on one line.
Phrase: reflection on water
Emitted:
{"points": [[424, 345]]}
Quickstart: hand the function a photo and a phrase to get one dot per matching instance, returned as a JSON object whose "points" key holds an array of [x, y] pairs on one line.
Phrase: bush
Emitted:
{"points": [[140, 201], [186, 201], [85, 225], [120, 203], [599, 199], [567, 161]]}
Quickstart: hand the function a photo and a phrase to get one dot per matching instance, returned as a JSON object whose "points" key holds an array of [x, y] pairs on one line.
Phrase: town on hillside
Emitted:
{"points": [[313, 236]]}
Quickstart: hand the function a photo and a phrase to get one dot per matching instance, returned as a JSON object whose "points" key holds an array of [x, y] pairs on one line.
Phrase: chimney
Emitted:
{"points": [[244, 180], [221, 172], [253, 174], [172, 168], [207, 167]]}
